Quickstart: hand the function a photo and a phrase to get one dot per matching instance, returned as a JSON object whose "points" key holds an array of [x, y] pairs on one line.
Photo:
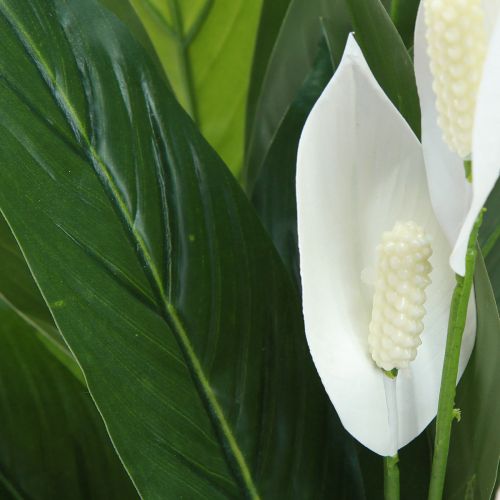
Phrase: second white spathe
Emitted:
{"points": [[457, 209]]}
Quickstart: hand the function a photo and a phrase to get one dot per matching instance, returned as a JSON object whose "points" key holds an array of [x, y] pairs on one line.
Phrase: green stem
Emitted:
{"points": [[391, 469], [391, 478], [446, 412]]}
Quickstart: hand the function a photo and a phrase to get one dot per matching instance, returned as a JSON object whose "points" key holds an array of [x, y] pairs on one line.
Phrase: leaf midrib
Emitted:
{"points": [[169, 311]]}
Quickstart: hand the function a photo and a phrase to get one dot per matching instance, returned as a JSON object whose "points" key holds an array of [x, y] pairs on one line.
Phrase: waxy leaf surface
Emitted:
{"points": [[155, 267], [54, 443]]}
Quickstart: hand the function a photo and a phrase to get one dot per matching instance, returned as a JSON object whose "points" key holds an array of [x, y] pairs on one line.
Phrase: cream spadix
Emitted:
{"points": [[359, 171], [398, 310], [456, 45]]}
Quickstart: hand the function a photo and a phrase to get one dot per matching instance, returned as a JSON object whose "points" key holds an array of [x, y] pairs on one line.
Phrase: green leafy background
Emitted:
{"points": [[141, 272]]}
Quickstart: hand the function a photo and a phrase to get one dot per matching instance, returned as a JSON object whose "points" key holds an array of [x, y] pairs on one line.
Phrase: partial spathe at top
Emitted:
{"points": [[457, 209], [360, 170]]}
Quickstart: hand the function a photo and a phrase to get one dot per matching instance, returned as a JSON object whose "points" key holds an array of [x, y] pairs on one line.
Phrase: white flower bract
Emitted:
{"points": [[360, 170], [463, 41]]}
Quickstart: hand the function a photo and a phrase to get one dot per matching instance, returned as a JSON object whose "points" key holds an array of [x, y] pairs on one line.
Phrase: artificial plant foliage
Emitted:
{"points": [[274, 194], [206, 48], [183, 320], [54, 443]]}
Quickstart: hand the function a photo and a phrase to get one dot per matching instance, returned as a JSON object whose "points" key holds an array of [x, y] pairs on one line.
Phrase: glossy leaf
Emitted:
{"points": [[292, 58], [126, 13], [17, 287], [404, 14], [271, 18], [54, 444], [387, 57], [156, 269], [489, 238], [274, 193], [475, 441], [206, 49], [20, 292]]}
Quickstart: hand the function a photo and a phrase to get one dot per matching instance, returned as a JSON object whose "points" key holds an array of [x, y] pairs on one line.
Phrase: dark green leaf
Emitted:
{"points": [[19, 291], [274, 192], [156, 269], [404, 15], [489, 238], [271, 19], [475, 440], [387, 57], [17, 287], [125, 12], [289, 65], [54, 444]]}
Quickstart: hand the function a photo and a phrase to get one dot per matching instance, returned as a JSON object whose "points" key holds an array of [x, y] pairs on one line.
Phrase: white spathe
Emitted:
{"points": [[360, 169], [455, 201]]}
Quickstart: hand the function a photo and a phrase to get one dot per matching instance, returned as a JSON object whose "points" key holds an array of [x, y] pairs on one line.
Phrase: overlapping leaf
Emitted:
{"points": [[155, 268], [291, 60], [475, 442], [54, 444]]}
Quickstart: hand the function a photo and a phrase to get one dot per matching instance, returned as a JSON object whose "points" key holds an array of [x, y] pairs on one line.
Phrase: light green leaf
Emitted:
{"points": [[206, 48], [475, 440], [54, 444], [156, 269]]}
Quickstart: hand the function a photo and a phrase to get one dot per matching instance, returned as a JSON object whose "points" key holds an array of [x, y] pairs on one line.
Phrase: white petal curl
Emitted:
{"points": [[360, 169], [485, 145], [450, 193]]}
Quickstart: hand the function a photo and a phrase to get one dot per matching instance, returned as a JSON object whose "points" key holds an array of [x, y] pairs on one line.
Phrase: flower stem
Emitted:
{"points": [[391, 478], [391, 469], [446, 411]]}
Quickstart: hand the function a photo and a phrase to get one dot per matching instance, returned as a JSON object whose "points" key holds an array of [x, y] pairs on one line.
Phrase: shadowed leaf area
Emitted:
{"points": [[156, 269], [53, 441]]}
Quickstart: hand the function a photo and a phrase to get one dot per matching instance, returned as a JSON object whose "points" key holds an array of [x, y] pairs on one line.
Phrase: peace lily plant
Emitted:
{"points": [[376, 233]]}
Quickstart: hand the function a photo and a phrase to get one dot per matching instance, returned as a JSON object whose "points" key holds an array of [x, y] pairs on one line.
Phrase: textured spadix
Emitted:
{"points": [[360, 169], [470, 119], [456, 45], [398, 303]]}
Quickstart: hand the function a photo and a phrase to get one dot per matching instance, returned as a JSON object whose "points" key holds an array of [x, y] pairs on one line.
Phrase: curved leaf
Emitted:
{"points": [[125, 12], [271, 19], [489, 239], [274, 194], [292, 58], [475, 440], [54, 444], [404, 15], [19, 291], [155, 268], [206, 48]]}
